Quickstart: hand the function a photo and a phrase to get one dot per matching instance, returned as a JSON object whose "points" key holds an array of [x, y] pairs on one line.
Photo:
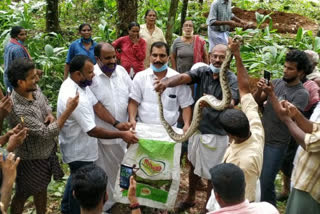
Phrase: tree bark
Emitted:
{"points": [[127, 11], [52, 16], [171, 20], [183, 13]]}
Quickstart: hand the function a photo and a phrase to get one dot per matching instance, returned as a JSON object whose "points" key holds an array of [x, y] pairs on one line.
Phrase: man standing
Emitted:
{"points": [[115, 80], [206, 149], [219, 21], [143, 98], [78, 137], [277, 135], [305, 194], [38, 152]]}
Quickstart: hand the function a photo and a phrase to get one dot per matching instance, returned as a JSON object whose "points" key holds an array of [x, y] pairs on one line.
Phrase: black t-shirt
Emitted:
{"points": [[207, 85], [277, 132]]}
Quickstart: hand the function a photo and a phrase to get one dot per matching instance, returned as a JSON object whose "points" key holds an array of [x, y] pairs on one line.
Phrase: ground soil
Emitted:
{"points": [[283, 22]]}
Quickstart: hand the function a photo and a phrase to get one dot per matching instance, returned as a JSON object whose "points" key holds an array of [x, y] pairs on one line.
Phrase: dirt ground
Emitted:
{"points": [[283, 22]]}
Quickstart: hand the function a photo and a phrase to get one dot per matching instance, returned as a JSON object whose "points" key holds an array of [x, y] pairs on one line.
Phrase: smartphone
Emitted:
{"points": [[8, 91], [267, 76], [125, 174]]}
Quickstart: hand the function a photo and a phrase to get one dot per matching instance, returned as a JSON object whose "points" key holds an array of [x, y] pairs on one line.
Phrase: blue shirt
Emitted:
{"points": [[77, 48], [12, 52]]}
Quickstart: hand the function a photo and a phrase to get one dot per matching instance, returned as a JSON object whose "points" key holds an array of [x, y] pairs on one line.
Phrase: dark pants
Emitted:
{"points": [[287, 164], [69, 205], [273, 156]]}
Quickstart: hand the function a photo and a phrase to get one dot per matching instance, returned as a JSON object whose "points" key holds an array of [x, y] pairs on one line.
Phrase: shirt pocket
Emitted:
{"points": [[170, 102]]}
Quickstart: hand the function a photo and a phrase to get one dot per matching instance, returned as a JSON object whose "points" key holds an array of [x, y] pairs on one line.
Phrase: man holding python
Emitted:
{"points": [[207, 147]]}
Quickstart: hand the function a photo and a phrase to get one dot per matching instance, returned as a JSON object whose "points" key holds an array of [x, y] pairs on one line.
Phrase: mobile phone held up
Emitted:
{"points": [[125, 174], [267, 76]]}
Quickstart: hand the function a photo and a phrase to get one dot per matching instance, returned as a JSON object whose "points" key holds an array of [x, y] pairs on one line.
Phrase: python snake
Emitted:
{"points": [[212, 101]]}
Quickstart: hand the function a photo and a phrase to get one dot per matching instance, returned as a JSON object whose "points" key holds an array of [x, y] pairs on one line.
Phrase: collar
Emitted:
{"points": [[98, 71], [22, 100], [236, 207]]}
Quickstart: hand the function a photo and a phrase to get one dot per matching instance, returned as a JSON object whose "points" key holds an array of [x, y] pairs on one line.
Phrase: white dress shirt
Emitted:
{"points": [[113, 93], [75, 143], [172, 98]]}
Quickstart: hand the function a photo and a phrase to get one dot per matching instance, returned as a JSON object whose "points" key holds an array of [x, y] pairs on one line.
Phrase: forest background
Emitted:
{"points": [[52, 26]]}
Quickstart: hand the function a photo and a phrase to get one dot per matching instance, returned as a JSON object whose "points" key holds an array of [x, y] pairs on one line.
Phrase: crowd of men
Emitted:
{"points": [[239, 153]]}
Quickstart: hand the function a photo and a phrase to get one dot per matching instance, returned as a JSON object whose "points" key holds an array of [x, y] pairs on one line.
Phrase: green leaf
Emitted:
{"points": [[299, 34], [254, 65], [316, 46]]}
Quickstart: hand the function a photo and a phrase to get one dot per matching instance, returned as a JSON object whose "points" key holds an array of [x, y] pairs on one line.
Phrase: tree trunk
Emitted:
{"points": [[171, 20], [127, 10], [183, 13], [52, 16]]}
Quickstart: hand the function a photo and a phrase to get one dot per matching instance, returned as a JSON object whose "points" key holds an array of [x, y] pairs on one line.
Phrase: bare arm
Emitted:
{"points": [[243, 77], [297, 133], [176, 80], [9, 173], [132, 111], [205, 56], [66, 71], [99, 132], [259, 95], [103, 113], [71, 105], [173, 60], [186, 116]]}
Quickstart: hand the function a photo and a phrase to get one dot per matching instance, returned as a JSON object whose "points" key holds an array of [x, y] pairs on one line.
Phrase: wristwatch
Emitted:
{"points": [[115, 123]]}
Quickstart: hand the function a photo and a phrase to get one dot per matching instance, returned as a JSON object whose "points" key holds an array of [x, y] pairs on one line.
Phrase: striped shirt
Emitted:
{"points": [[41, 140], [220, 10], [306, 174]]}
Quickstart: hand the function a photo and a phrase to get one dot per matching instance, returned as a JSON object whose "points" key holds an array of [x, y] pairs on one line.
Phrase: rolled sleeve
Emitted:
{"points": [[312, 140], [195, 75], [136, 92]]}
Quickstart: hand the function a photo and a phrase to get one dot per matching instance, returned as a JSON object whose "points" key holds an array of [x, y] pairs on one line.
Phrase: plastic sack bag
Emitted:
{"points": [[158, 158]]}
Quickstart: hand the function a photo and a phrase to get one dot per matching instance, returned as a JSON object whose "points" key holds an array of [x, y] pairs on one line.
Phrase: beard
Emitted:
{"points": [[289, 80]]}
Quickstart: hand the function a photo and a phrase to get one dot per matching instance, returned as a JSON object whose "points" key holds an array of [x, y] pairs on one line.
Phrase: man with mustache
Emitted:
{"points": [[111, 85], [277, 135], [143, 104], [78, 137], [206, 149]]}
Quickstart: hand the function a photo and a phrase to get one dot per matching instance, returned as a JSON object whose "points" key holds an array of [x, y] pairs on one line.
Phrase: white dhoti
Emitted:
{"points": [[205, 151], [110, 158]]}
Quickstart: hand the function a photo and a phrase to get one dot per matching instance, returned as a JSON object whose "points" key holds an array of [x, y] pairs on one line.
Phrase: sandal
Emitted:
{"points": [[183, 205]]}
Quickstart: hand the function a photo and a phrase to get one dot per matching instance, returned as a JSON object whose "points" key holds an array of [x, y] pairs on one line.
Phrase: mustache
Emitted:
{"points": [[158, 63]]}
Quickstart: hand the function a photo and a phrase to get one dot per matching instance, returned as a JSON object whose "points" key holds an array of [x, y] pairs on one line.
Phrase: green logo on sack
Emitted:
{"points": [[151, 167]]}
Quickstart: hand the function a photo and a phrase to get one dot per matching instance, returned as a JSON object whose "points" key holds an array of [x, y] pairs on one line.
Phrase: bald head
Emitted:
{"points": [[102, 46], [219, 47], [218, 54]]}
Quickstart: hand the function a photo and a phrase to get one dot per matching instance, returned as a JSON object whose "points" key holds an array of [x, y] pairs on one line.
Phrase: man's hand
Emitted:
{"points": [[72, 103], [5, 106], [133, 124], [9, 168], [16, 139], [49, 119], [234, 46], [129, 137], [124, 126], [132, 191], [261, 83], [268, 89], [288, 109], [159, 86], [235, 24]]}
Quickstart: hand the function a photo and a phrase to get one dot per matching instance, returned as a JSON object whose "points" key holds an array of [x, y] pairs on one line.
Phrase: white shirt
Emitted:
{"points": [[143, 92], [113, 93], [75, 143]]}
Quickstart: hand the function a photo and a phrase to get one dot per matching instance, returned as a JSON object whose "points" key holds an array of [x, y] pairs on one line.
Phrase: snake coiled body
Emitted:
{"points": [[212, 101]]}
